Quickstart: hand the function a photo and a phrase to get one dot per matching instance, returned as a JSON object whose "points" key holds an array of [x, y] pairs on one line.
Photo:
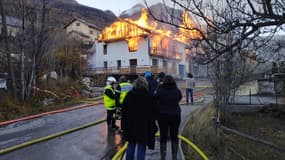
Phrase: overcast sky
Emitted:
{"points": [[116, 6]]}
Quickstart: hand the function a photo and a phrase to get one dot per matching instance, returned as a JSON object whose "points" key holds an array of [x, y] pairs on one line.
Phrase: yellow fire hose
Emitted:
{"points": [[25, 144], [92, 100], [119, 154], [193, 146]]}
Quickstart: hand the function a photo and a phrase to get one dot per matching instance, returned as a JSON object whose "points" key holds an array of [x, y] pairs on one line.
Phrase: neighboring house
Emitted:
{"points": [[131, 47], [82, 30], [3, 83], [13, 25]]}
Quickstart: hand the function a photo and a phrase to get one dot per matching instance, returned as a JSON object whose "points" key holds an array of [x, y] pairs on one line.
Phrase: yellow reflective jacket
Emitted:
{"points": [[109, 103], [125, 88]]}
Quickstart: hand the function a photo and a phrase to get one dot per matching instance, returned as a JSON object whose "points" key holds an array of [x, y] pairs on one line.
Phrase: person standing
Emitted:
{"points": [[120, 93], [168, 97], [139, 112], [109, 102], [189, 85], [152, 83], [161, 75]]}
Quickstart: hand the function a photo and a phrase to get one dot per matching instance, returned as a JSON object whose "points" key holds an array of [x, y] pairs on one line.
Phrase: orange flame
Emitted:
{"points": [[133, 43], [186, 30], [163, 41]]}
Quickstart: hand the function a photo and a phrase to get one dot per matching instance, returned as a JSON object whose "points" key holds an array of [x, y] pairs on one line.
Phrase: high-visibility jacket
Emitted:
{"points": [[125, 88], [109, 103]]}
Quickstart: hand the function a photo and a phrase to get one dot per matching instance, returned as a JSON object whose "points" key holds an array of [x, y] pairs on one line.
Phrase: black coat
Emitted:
{"points": [[168, 98], [139, 113], [152, 84]]}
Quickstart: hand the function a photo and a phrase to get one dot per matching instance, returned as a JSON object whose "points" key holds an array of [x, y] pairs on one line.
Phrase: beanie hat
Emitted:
{"points": [[161, 75], [147, 74]]}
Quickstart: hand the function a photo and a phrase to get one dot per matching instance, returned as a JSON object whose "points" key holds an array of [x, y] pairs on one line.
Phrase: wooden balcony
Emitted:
{"points": [[131, 70]]}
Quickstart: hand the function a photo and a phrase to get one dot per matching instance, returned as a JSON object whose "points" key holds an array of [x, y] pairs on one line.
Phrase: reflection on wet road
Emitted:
{"points": [[93, 143], [113, 144]]}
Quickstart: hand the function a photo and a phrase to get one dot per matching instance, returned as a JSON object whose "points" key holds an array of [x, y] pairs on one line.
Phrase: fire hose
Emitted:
{"points": [[120, 153], [52, 136]]}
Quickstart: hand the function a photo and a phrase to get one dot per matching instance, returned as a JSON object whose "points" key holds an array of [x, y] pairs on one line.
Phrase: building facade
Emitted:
{"points": [[13, 25], [116, 57], [82, 30], [134, 46]]}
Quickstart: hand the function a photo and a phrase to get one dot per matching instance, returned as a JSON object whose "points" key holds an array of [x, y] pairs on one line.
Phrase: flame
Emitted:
{"points": [[163, 41], [133, 43], [187, 30]]}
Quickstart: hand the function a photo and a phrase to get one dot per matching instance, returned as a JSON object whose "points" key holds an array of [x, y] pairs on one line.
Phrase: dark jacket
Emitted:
{"points": [[152, 84], [168, 98], [139, 112]]}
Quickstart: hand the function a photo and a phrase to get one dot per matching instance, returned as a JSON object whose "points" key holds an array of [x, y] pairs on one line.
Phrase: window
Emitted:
{"points": [[133, 65], [105, 49], [164, 64], [154, 63], [133, 62], [90, 32], [119, 64], [77, 24], [105, 64]]}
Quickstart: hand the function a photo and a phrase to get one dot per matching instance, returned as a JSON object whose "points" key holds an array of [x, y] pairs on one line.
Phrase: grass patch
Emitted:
{"points": [[11, 108], [200, 129]]}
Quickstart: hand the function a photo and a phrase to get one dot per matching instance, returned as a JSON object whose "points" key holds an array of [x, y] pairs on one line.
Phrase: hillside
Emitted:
{"points": [[158, 10], [60, 12], [64, 11]]}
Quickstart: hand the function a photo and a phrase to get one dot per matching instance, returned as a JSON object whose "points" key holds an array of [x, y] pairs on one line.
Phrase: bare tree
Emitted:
{"points": [[7, 44], [66, 58], [243, 18], [228, 31], [30, 45]]}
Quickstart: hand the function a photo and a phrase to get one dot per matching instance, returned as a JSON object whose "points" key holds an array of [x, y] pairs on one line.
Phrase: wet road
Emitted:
{"points": [[93, 143]]}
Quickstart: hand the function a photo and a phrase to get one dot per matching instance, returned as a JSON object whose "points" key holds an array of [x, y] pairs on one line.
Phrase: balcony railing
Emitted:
{"points": [[131, 70], [165, 53]]}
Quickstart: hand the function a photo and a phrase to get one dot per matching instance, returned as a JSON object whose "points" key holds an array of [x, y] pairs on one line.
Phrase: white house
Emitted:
{"points": [[82, 30], [132, 47], [13, 25]]}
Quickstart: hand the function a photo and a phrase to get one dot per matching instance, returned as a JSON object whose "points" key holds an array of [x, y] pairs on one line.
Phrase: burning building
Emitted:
{"points": [[134, 46]]}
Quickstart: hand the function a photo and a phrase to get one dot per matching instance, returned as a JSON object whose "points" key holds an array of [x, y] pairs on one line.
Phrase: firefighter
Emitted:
{"points": [[109, 102], [121, 91]]}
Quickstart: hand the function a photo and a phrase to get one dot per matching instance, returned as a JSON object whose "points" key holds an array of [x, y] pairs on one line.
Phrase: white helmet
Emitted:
{"points": [[110, 80]]}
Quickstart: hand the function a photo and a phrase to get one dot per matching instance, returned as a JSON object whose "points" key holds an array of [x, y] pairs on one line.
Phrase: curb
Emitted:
{"points": [[47, 113]]}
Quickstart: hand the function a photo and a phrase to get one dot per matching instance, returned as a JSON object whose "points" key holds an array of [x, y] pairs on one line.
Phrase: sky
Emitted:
{"points": [[116, 6]]}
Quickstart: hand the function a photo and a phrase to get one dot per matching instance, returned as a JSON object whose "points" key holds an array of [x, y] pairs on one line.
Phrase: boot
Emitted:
{"points": [[174, 149], [162, 150]]}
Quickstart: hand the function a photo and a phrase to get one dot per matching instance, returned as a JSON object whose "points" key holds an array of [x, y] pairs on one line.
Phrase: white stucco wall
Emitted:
{"points": [[181, 50], [119, 51], [83, 28]]}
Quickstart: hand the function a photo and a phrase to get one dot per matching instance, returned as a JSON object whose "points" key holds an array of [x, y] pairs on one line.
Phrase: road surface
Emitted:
{"points": [[92, 143]]}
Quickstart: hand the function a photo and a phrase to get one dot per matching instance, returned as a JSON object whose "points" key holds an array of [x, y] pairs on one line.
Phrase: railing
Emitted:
{"points": [[131, 70], [165, 53]]}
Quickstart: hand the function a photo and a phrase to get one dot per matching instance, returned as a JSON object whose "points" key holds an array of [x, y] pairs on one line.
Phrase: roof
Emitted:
{"points": [[12, 21], [91, 25]]}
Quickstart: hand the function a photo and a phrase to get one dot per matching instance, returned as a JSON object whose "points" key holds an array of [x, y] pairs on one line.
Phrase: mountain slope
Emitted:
{"points": [[64, 11]]}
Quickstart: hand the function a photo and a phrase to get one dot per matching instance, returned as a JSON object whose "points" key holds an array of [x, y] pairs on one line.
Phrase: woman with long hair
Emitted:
{"points": [[168, 97], [139, 113]]}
